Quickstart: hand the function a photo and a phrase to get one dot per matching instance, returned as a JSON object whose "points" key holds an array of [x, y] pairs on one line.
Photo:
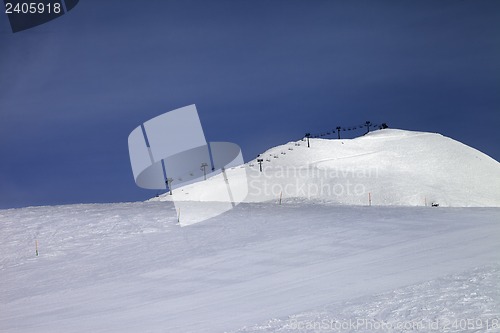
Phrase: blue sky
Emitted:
{"points": [[261, 73]]}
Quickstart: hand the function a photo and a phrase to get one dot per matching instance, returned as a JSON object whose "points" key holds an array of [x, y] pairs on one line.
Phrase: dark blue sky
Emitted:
{"points": [[261, 73]]}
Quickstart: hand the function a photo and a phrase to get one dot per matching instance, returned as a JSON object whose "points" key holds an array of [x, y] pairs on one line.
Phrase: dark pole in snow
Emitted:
{"points": [[260, 160], [169, 184], [203, 166], [367, 124], [338, 131], [307, 136]]}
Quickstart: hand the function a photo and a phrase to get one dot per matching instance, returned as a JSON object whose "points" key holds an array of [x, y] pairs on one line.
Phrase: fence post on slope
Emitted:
{"points": [[179, 216], [281, 194], [369, 198], [36, 247]]}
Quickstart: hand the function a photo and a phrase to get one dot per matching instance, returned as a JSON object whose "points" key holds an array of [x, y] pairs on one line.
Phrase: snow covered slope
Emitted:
{"points": [[260, 267], [264, 267], [386, 167]]}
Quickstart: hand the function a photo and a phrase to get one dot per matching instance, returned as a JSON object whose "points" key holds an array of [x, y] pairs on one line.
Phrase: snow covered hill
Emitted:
{"points": [[313, 263], [385, 167]]}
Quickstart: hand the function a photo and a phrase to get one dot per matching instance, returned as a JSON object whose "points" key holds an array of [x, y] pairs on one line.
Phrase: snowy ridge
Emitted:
{"points": [[385, 167]]}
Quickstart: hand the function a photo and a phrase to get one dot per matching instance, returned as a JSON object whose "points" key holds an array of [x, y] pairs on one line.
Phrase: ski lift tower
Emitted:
{"points": [[368, 124], [260, 160], [203, 167], [308, 135], [169, 184]]}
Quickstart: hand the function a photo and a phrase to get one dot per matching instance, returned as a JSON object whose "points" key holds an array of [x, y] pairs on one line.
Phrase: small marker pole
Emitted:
{"points": [[179, 216], [36, 247], [281, 194], [369, 198]]}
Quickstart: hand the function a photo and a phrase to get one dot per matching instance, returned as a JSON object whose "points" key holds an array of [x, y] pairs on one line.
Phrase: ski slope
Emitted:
{"points": [[261, 267], [386, 167], [319, 259]]}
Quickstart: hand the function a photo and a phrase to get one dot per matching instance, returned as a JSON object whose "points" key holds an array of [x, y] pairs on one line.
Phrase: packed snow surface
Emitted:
{"points": [[260, 267], [386, 167]]}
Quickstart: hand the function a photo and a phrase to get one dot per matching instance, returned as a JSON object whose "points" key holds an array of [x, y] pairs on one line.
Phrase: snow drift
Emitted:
{"points": [[260, 267]]}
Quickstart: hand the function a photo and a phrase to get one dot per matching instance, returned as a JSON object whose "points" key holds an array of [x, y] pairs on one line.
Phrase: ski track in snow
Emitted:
{"points": [[466, 302], [131, 268]]}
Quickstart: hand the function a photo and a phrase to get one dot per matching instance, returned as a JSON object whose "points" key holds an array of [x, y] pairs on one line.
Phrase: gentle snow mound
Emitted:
{"points": [[385, 167]]}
